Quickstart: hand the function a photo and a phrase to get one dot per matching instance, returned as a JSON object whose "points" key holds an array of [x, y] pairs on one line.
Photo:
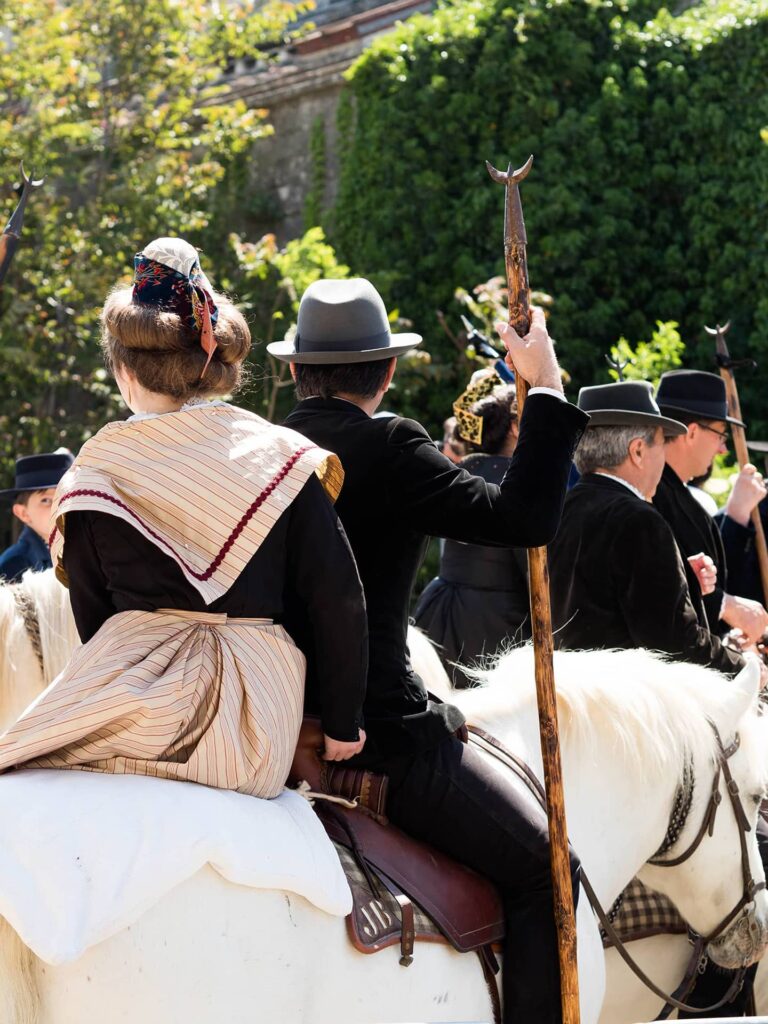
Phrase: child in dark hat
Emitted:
{"points": [[32, 497]]}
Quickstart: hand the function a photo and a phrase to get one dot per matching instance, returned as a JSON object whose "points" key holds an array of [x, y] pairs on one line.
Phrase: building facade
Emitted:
{"points": [[300, 91]]}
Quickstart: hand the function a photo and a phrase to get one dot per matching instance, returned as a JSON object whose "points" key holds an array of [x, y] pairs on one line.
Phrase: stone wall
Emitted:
{"points": [[300, 92]]}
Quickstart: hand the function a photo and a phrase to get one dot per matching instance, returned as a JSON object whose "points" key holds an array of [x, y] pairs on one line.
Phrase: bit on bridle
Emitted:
{"points": [[674, 830]]}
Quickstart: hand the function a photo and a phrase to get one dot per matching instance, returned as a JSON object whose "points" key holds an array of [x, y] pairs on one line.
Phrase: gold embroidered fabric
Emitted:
{"points": [[470, 426]]}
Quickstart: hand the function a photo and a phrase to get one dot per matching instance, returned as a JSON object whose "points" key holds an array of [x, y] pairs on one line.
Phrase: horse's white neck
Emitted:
{"points": [[614, 822]]}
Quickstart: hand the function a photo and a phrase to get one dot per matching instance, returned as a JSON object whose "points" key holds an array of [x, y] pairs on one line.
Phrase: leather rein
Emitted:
{"points": [[698, 960]]}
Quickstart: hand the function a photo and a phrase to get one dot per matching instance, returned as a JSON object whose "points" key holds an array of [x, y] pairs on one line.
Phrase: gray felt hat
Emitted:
{"points": [[342, 322], [626, 404]]}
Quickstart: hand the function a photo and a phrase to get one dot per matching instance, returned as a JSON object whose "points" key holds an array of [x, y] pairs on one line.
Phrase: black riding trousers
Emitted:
{"points": [[452, 798]]}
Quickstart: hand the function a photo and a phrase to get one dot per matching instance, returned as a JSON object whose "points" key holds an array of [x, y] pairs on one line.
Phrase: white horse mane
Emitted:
{"points": [[651, 712], [47, 631], [58, 633]]}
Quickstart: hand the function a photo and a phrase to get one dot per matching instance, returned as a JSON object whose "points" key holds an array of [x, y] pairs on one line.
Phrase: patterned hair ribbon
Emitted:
{"points": [[469, 425], [167, 274]]}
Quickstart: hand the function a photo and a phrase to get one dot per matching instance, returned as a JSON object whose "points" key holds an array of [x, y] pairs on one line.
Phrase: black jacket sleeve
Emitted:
{"points": [[653, 592], [89, 592], [328, 609], [443, 500], [739, 545]]}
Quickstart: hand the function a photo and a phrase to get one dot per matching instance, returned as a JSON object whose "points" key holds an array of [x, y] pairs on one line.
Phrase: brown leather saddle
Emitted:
{"points": [[400, 886]]}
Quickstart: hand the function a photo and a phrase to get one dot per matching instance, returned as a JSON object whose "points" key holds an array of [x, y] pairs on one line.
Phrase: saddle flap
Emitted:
{"points": [[464, 905]]}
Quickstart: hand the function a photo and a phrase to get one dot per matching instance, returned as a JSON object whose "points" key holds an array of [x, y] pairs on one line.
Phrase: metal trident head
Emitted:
{"points": [[722, 355], [514, 225], [718, 333], [9, 239], [13, 227], [617, 365]]}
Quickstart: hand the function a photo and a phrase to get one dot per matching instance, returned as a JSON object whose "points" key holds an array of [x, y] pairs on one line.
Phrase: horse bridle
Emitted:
{"points": [[675, 828], [751, 888]]}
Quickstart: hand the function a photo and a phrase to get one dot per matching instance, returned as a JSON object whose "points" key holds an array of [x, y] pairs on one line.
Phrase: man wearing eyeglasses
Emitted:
{"points": [[698, 400]]}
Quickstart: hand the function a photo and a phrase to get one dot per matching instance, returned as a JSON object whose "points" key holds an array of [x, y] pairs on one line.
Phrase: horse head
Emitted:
{"points": [[646, 745], [708, 863]]}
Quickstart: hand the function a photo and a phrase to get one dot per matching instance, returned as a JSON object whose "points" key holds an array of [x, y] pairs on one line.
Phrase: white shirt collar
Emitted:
{"points": [[620, 480], [195, 403]]}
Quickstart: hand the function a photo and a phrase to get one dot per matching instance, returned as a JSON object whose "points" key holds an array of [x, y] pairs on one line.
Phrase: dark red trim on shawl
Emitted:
{"points": [[277, 479]]}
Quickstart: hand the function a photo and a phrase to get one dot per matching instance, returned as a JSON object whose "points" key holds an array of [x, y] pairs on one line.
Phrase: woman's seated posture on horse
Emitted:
{"points": [[184, 533], [479, 602]]}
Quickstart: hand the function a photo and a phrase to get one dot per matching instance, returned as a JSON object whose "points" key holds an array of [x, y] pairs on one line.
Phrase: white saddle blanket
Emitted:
{"points": [[83, 855]]}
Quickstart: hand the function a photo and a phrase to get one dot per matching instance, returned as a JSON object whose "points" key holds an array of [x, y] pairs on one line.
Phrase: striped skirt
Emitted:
{"points": [[177, 695]]}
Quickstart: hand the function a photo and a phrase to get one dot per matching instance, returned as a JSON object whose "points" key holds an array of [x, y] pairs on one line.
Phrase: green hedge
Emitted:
{"points": [[647, 199]]}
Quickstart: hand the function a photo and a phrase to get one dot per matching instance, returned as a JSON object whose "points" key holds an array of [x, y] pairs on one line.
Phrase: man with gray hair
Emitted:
{"points": [[617, 575]]}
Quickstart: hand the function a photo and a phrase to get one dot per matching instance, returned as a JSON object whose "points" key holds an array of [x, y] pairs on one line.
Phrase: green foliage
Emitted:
{"points": [[646, 202], [269, 282], [649, 359], [722, 479], [313, 201], [120, 105]]}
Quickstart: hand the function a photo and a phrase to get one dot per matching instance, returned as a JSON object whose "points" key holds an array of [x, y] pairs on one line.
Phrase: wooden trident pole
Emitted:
{"points": [[727, 366], [515, 241]]}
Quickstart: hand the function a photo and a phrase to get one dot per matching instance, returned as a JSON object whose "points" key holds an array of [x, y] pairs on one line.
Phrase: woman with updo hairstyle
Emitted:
{"points": [[478, 604], [198, 542]]}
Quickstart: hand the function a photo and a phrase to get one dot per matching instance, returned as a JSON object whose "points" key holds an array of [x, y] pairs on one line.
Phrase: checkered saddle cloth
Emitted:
{"points": [[375, 921], [640, 912]]}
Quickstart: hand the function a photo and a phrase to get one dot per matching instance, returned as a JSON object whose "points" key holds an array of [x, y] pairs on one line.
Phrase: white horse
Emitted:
{"points": [[37, 638], [210, 951], [664, 958]]}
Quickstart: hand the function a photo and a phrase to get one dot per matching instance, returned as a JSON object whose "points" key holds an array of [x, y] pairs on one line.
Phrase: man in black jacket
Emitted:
{"points": [[699, 400], [617, 576], [398, 490]]}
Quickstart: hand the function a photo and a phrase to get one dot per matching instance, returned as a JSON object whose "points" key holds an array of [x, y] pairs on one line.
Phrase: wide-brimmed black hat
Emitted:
{"points": [[342, 322], [695, 392], [627, 403], [38, 473]]}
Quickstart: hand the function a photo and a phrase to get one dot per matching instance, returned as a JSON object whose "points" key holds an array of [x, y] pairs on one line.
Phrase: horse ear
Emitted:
{"points": [[744, 689]]}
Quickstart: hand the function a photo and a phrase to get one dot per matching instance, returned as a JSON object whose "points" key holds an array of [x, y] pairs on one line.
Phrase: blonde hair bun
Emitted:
{"points": [[165, 354]]}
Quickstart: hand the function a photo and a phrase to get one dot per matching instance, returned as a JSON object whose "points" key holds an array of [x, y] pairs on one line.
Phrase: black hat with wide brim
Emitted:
{"points": [[696, 393], [342, 321], [38, 473], [626, 403]]}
